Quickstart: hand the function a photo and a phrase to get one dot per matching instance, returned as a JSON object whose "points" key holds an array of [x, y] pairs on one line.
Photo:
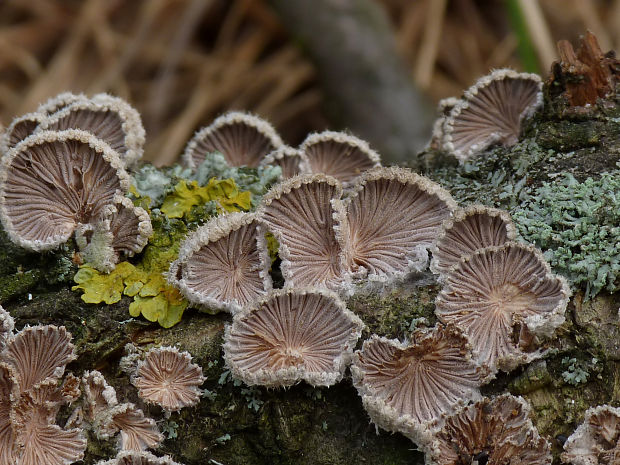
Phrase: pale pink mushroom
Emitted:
{"points": [[597, 440], [338, 154], [224, 264], [242, 138], [169, 379], [491, 112], [54, 181], [497, 431], [405, 386], [500, 291], [292, 335], [470, 229]]}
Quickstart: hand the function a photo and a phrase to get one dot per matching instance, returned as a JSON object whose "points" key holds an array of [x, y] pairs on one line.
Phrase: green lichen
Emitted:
{"points": [[158, 183], [224, 193], [577, 224]]}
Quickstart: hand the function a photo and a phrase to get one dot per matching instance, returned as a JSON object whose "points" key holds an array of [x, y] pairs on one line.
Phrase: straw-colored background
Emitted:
{"points": [[182, 62]]}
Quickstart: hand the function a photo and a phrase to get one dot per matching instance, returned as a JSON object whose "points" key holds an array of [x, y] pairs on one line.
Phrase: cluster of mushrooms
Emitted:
{"points": [[32, 388], [343, 223]]}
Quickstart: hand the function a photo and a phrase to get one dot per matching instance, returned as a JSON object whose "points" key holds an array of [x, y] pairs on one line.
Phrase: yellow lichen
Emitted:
{"points": [[224, 193]]}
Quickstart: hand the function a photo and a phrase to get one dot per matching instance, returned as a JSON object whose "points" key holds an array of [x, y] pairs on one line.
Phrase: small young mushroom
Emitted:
{"points": [[491, 112], [338, 154], [497, 431], [109, 118], [596, 440], [224, 264], [242, 138], [137, 432], [52, 182], [19, 129], [292, 335], [122, 228], [470, 229], [404, 387], [499, 292], [169, 379], [291, 160]]}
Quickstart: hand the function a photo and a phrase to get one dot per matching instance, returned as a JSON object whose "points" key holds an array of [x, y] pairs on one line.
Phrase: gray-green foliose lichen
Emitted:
{"points": [[156, 183], [561, 183]]}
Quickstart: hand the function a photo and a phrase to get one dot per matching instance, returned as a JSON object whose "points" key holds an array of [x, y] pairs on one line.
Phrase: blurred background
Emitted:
{"points": [[376, 67]]}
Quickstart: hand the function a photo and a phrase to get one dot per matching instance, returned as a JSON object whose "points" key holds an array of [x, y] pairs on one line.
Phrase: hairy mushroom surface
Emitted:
{"points": [[497, 431], [52, 182], [491, 112], [132, 457], [19, 129], [31, 365], [122, 228], [223, 264], [470, 229], [301, 215], [168, 378], [292, 335], [291, 160], [109, 118], [597, 440], [242, 138], [404, 387], [392, 218], [500, 291], [338, 154]]}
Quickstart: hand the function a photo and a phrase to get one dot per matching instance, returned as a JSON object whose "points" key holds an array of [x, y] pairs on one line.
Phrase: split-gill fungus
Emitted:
{"points": [[224, 264], [292, 335], [55, 180], [497, 289], [168, 378], [242, 138], [597, 440], [339, 155], [406, 386], [468, 230], [491, 112]]}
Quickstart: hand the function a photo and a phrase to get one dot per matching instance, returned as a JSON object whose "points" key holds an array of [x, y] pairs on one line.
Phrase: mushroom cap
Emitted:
{"points": [[38, 439], [242, 138], [491, 111], [137, 432], [53, 181], [405, 386], [470, 229], [19, 129], [497, 429], [122, 228], [111, 119], [291, 160], [392, 218], [302, 215], [338, 154], [9, 391], [169, 379], [597, 440], [498, 290], [38, 353], [223, 264], [7, 325], [292, 335], [60, 101], [132, 457], [99, 396]]}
